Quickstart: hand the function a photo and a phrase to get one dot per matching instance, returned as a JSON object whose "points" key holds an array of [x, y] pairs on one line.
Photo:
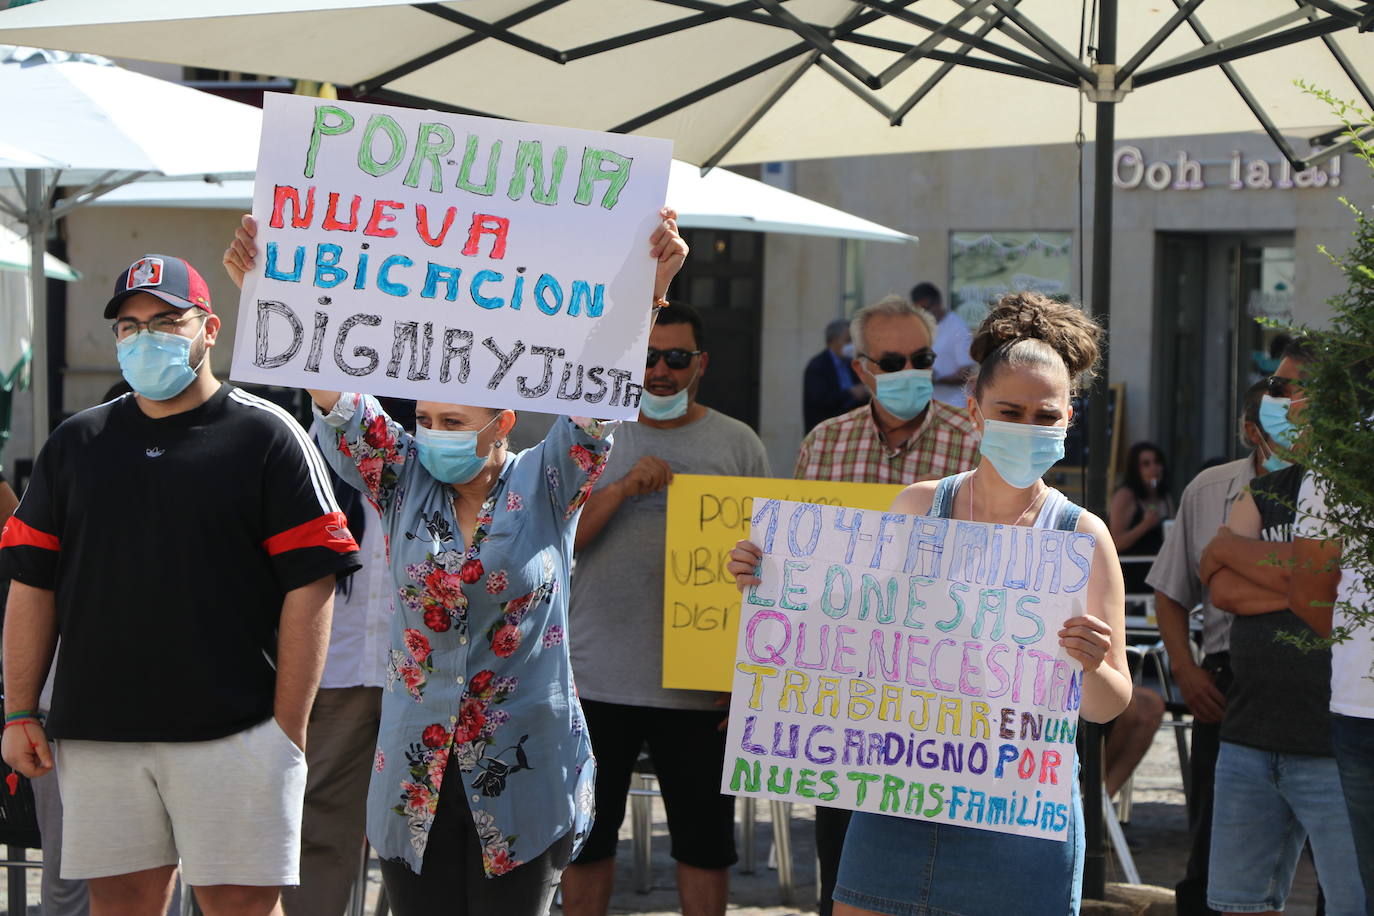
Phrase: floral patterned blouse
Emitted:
{"points": [[478, 667]]}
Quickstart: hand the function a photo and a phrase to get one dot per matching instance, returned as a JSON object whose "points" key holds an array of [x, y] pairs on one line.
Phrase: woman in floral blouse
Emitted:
{"points": [[479, 698]]}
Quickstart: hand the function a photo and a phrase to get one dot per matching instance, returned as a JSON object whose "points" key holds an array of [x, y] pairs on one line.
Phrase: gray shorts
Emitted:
{"points": [[228, 809]]}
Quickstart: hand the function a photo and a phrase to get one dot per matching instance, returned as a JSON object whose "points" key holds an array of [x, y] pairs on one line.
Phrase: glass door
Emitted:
{"points": [[1180, 323]]}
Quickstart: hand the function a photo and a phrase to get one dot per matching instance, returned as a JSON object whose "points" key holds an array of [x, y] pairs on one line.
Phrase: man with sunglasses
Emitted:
{"points": [[183, 541], [901, 436], [1176, 579], [1277, 783], [616, 630]]}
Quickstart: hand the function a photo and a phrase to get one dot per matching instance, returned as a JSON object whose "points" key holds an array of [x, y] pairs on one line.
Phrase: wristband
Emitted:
{"points": [[21, 714], [25, 721]]}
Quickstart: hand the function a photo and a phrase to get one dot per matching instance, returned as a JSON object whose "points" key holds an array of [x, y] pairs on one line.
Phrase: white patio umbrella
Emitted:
{"points": [[718, 200], [776, 79], [86, 125], [14, 157]]}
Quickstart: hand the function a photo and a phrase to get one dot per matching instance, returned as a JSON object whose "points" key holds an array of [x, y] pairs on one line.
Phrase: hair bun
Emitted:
{"points": [[1062, 326]]}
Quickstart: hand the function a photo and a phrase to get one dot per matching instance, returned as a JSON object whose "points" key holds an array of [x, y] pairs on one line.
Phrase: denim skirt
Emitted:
{"points": [[903, 867]]}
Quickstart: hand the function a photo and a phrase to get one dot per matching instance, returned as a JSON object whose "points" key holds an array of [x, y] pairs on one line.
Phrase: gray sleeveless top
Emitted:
{"points": [[1057, 512]]}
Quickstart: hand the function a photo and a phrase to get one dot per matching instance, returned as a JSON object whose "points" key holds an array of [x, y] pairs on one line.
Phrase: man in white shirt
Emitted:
{"points": [[953, 365], [1322, 593]]}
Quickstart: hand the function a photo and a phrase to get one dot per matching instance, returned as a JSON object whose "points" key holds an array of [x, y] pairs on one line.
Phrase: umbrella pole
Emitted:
{"points": [[36, 217], [1099, 440]]}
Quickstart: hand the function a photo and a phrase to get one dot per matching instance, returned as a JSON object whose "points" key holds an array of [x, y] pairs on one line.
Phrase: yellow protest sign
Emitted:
{"points": [[706, 516]]}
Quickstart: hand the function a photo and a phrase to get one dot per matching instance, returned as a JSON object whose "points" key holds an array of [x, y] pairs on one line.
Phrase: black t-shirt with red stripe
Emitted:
{"points": [[170, 545]]}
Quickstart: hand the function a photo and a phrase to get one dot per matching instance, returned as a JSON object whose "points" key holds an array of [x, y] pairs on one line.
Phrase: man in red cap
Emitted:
{"points": [[183, 542]]}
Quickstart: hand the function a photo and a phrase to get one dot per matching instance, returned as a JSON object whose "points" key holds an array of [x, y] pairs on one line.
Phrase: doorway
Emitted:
{"points": [[723, 281], [1217, 298]]}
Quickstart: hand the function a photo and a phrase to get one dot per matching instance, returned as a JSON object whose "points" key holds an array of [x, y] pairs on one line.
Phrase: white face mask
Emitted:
{"points": [[666, 406], [847, 351]]}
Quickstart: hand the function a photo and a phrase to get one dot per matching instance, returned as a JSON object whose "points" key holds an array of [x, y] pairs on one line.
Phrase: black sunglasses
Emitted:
{"points": [[1276, 386], [676, 358], [896, 362]]}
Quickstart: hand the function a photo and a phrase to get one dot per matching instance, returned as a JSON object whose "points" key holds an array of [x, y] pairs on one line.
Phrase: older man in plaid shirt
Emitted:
{"points": [[901, 436]]}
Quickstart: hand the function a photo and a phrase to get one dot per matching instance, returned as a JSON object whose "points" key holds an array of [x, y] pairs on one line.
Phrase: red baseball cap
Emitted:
{"points": [[172, 280]]}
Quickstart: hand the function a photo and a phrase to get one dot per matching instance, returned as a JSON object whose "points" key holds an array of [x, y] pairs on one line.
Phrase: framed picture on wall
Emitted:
{"points": [[985, 266]]}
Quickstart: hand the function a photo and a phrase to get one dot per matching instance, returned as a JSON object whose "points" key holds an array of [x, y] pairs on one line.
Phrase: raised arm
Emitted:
{"points": [[574, 454], [365, 447]]}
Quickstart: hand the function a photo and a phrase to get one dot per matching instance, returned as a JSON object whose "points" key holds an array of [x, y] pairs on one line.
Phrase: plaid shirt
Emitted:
{"points": [[850, 448]]}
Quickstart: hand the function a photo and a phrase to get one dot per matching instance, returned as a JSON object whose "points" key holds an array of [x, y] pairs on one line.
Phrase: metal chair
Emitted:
{"points": [[1157, 657], [16, 865], [643, 790]]}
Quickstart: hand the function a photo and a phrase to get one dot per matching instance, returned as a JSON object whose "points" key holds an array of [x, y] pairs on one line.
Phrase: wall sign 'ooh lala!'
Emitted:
{"points": [[1131, 171]]}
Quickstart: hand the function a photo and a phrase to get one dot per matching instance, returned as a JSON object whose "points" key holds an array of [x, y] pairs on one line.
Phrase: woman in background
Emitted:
{"points": [[1139, 509]]}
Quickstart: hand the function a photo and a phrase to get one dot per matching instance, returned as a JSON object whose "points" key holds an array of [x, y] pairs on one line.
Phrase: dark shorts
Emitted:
{"points": [[687, 748]]}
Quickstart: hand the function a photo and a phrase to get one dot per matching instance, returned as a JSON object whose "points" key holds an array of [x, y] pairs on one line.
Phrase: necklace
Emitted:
{"points": [[1035, 498]]}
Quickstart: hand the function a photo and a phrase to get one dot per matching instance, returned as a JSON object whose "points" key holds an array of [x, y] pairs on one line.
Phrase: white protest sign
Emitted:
{"points": [[442, 257], [909, 666]]}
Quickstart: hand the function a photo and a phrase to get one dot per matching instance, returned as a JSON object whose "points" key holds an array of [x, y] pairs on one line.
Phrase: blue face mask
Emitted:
{"points": [[1273, 416], [663, 406], [1275, 463], [904, 394], [666, 406], [451, 454], [1020, 452], [157, 365]]}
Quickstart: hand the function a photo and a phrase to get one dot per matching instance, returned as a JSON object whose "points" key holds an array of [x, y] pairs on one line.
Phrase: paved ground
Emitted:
{"points": [[1157, 835]]}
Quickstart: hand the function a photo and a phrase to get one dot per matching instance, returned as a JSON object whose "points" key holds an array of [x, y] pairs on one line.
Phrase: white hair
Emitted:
{"points": [[893, 305]]}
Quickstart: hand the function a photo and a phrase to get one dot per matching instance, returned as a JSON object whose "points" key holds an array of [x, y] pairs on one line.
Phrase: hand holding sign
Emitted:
{"points": [[744, 564], [242, 253], [669, 250]]}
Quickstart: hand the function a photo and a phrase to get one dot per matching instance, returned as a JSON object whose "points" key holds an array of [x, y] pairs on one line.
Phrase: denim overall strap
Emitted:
{"points": [[943, 504], [1068, 517]]}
